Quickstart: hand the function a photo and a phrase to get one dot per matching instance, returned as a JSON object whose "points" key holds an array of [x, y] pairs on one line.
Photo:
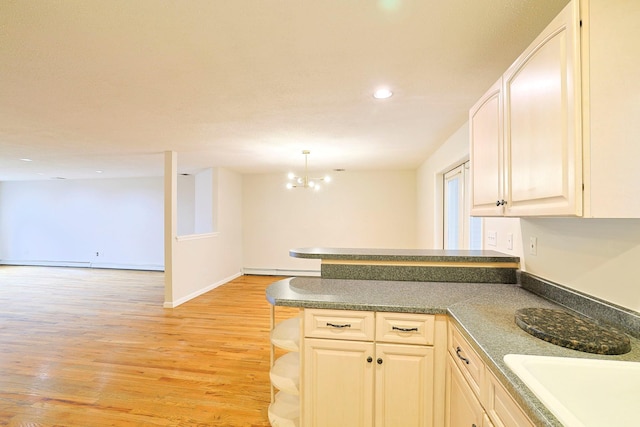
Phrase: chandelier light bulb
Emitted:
{"points": [[382, 93], [305, 181]]}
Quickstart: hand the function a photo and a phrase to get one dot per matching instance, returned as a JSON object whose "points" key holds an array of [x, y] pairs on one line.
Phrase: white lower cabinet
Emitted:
{"points": [[404, 386], [366, 369], [474, 396], [338, 383], [462, 406], [361, 381], [501, 407]]}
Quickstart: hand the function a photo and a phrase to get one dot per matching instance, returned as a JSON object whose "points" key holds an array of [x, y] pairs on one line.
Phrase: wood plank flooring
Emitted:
{"points": [[94, 348]]}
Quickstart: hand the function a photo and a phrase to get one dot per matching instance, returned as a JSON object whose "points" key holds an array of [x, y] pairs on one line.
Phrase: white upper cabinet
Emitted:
{"points": [[486, 155], [543, 148], [559, 137]]}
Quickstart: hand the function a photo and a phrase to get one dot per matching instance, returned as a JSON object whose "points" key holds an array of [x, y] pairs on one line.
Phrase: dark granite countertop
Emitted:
{"points": [[483, 312], [433, 255]]}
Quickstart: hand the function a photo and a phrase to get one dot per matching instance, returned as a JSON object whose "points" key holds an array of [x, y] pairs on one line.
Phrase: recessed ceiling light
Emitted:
{"points": [[26, 160], [98, 171], [382, 93]]}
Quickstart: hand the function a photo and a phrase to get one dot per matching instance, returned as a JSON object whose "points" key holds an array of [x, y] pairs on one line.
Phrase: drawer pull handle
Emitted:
{"points": [[398, 328], [464, 359], [333, 325]]}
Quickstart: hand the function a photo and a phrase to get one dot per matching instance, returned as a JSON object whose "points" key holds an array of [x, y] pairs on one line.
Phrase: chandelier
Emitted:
{"points": [[305, 181]]}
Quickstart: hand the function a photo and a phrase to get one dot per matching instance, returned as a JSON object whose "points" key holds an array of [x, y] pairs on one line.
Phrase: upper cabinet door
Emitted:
{"points": [[485, 129], [542, 132]]}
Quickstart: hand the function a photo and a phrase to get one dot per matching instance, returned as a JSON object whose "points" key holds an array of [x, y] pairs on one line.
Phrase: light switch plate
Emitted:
{"points": [[492, 238]]}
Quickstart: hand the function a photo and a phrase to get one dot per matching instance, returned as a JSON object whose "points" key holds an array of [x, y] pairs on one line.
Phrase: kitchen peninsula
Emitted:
{"points": [[462, 313]]}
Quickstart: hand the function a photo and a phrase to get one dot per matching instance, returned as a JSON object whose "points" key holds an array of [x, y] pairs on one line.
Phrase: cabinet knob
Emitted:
{"points": [[369, 359], [497, 202], [379, 361], [501, 202]]}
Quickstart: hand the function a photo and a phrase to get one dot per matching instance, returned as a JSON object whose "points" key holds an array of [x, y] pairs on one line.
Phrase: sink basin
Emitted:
{"points": [[582, 392]]}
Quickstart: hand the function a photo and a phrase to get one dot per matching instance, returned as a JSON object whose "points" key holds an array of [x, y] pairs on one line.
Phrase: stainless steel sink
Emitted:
{"points": [[583, 392]]}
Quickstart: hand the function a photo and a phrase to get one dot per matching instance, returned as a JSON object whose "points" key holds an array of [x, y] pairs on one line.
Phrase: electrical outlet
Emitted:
{"points": [[97, 253], [533, 245], [492, 238], [510, 241]]}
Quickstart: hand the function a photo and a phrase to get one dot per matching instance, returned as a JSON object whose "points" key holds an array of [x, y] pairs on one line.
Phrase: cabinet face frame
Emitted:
{"points": [[547, 105]]}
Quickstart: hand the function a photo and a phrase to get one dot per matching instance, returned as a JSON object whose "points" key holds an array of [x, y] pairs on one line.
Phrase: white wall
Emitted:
{"points": [[596, 256], [205, 189], [186, 204], [65, 222], [195, 203], [453, 152], [199, 263], [357, 209]]}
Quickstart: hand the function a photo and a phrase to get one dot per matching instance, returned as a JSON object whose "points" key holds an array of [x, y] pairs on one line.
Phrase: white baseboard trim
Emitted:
{"points": [[279, 272], [146, 267], [174, 304], [46, 263], [81, 264]]}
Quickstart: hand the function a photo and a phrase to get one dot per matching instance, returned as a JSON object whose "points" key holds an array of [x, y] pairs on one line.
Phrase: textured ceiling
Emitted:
{"points": [[90, 85]]}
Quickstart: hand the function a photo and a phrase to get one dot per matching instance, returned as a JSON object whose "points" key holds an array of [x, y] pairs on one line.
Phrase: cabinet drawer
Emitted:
{"points": [[500, 406], [405, 328], [466, 359], [339, 324]]}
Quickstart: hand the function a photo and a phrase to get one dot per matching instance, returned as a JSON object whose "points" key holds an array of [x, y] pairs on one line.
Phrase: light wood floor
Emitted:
{"points": [[93, 348]]}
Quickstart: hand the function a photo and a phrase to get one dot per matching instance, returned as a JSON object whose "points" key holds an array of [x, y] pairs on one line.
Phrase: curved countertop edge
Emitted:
{"points": [[416, 255], [484, 313]]}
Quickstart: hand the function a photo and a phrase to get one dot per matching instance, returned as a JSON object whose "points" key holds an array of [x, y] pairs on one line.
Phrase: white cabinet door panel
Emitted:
{"points": [[404, 385], [543, 124]]}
